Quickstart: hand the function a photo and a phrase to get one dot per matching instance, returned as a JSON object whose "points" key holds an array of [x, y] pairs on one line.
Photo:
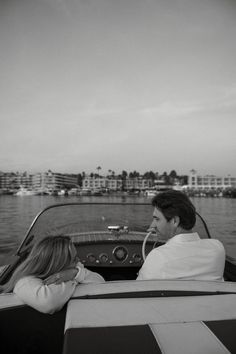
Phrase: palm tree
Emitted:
{"points": [[123, 177], [98, 169]]}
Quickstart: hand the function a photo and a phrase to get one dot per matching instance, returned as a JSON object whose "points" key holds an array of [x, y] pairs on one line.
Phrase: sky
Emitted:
{"points": [[122, 84]]}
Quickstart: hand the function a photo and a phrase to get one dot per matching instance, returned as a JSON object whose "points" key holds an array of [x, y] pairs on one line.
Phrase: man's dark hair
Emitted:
{"points": [[174, 203]]}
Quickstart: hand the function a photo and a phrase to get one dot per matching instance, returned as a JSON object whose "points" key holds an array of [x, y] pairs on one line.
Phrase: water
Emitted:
{"points": [[220, 216], [17, 214]]}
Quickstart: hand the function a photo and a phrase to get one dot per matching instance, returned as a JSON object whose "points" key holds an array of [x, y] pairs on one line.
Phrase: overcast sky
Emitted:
{"points": [[122, 84]]}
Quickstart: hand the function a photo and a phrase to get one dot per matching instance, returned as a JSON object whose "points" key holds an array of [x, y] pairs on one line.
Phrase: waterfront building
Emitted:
{"points": [[15, 180], [101, 183], [209, 182], [93, 182], [115, 183], [138, 183], [52, 181], [160, 185]]}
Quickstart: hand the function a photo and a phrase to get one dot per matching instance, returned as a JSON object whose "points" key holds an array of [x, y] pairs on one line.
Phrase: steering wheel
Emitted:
{"points": [[144, 244]]}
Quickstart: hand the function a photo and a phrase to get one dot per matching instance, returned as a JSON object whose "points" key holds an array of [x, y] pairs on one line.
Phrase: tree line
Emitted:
{"points": [[167, 178]]}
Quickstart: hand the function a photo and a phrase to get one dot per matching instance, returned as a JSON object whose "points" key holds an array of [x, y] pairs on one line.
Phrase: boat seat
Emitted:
{"points": [[24, 330]]}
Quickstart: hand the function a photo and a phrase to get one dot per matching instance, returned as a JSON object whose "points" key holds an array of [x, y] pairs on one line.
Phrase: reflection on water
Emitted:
{"points": [[17, 214]]}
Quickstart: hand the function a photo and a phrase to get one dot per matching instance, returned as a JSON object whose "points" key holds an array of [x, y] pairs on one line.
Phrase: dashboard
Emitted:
{"points": [[104, 249]]}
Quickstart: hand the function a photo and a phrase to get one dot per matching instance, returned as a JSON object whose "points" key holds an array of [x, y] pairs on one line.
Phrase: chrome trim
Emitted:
{"points": [[126, 253]]}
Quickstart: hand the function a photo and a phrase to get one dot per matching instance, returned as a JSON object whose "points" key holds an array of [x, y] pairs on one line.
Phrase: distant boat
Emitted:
{"points": [[133, 192], [97, 192], [86, 191], [74, 191], [151, 192], [25, 192], [61, 192]]}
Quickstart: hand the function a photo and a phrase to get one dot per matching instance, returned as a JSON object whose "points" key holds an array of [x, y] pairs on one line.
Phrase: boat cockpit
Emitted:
{"points": [[113, 239]]}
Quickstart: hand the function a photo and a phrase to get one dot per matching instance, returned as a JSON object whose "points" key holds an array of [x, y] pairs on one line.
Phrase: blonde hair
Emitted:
{"points": [[51, 255]]}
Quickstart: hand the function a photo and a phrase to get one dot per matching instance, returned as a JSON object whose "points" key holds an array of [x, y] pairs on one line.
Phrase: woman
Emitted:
{"points": [[48, 277]]}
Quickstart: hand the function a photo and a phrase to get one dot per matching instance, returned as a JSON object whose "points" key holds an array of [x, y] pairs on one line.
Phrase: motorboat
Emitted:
{"points": [[86, 191], [121, 315], [25, 192], [150, 193], [62, 192], [74, 191], [97, 192]]}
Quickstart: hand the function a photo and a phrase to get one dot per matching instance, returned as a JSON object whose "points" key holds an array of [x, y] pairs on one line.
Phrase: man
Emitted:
{"points": [[184, 255]]}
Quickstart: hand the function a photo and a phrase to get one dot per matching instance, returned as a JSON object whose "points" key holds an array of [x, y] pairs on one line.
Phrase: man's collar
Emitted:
{"points": [[192, 236]]}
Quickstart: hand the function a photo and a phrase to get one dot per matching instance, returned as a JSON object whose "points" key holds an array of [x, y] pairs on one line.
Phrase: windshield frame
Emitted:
{"points": [[26, 241]]}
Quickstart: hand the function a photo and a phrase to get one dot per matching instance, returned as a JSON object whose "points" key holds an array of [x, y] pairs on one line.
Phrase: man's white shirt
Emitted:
{"points": [[185, 256]]}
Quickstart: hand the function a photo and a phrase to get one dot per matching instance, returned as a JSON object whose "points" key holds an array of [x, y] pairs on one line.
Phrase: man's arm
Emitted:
{"points": [[152, 267]]}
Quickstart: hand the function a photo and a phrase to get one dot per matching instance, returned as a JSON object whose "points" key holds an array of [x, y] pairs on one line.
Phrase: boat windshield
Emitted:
{"points": [[79, 219], [89, 221]]}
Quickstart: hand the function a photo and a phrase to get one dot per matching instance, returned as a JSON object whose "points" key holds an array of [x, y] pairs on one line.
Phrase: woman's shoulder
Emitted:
{"points": [[29, 279]]}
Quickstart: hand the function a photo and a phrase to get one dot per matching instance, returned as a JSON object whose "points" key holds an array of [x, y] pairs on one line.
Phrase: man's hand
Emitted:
{"points": [[62, 276]]}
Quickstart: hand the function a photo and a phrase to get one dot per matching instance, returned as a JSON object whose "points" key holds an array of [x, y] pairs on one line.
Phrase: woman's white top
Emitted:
{"points": [[50, 298]]}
